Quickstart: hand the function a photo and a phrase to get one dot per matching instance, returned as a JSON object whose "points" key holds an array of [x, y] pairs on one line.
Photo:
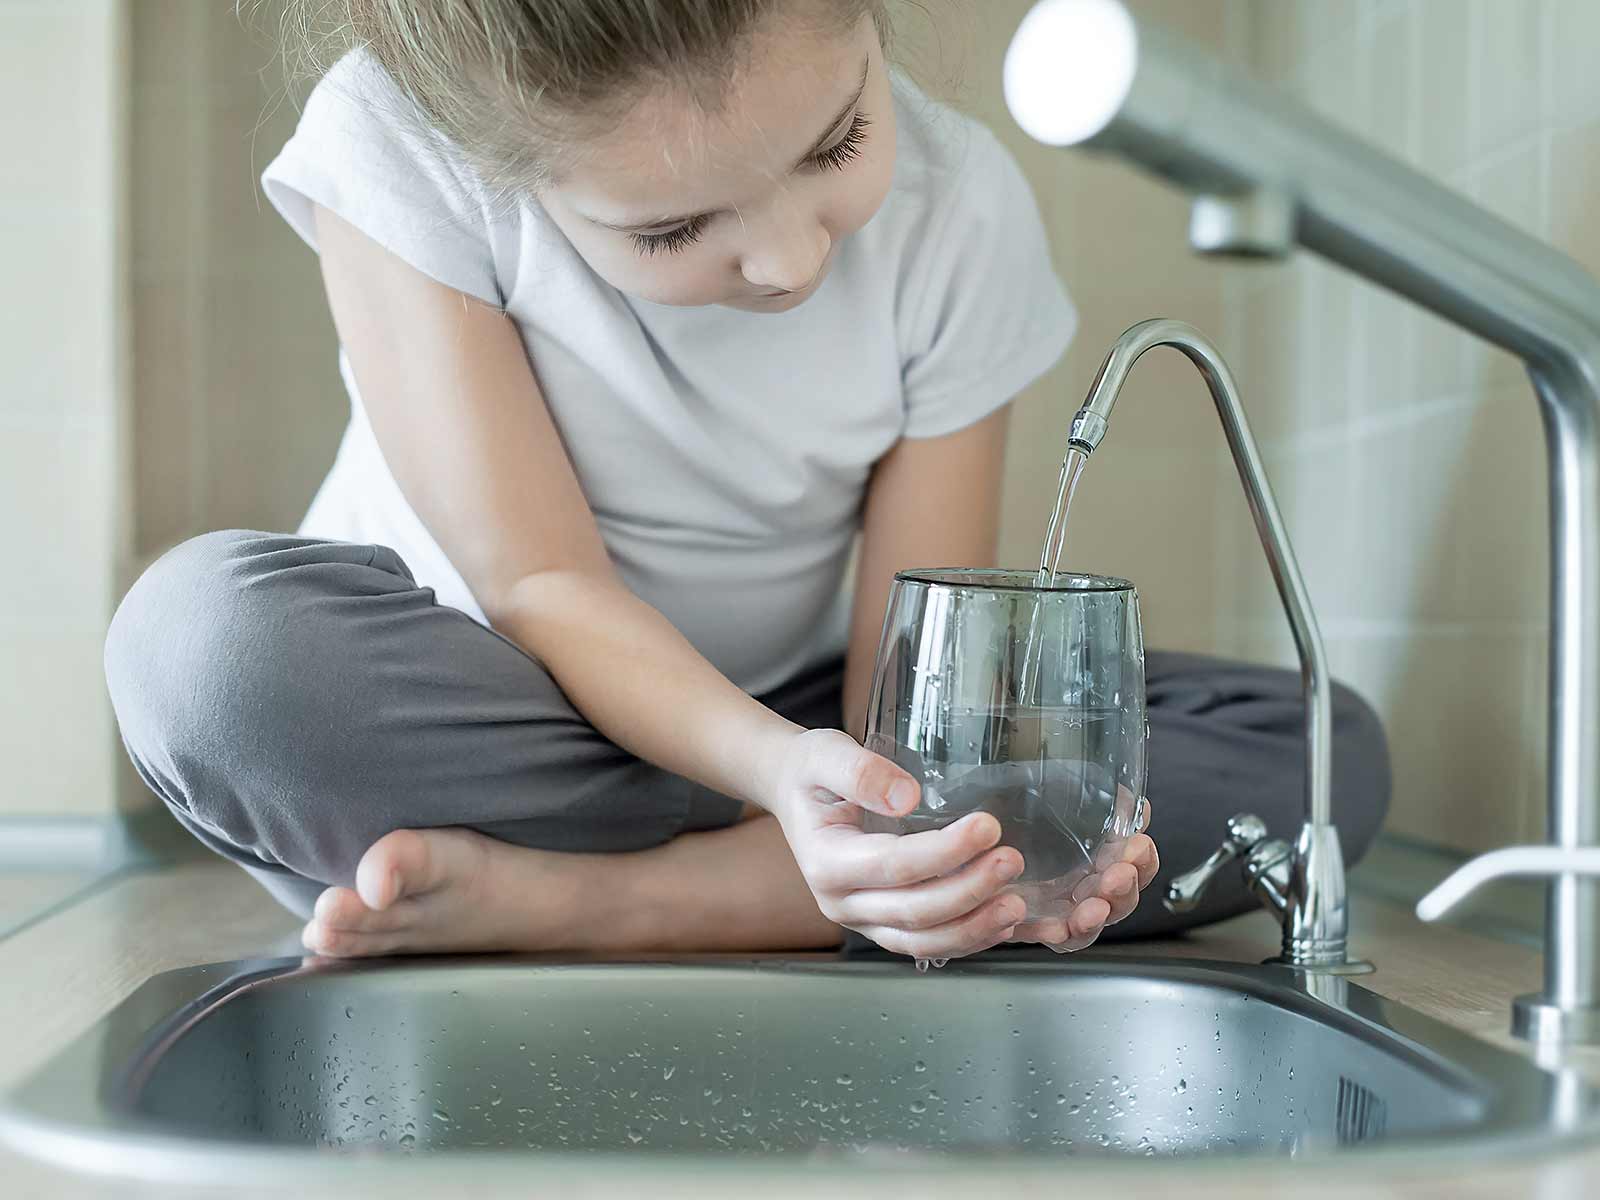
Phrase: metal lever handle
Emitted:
{"points": [[1245, 832], [1513, 860]]}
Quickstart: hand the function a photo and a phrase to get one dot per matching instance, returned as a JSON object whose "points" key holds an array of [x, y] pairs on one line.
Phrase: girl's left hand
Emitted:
{"points": [[1124, 867]]}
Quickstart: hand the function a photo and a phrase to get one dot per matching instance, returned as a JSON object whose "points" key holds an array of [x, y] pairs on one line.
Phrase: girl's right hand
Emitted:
{"points": [[934, 894]]}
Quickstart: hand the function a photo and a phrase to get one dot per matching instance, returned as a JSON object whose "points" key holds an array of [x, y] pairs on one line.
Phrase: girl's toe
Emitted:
{"points": [[396, 865]]}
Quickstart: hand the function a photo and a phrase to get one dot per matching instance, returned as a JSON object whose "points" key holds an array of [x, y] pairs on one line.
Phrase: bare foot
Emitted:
{"points": [[421, 891]]}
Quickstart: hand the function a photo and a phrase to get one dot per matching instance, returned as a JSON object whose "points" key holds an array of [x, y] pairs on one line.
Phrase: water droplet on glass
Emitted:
{"points": [[408, 1140], [349, 1011], [666, 1072], [917, 1106], [844, 1080], [439, 1114], [920, 1066]]}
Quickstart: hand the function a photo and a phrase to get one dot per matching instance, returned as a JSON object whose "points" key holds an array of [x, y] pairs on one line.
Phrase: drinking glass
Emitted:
{"points": [[1027, 702]]}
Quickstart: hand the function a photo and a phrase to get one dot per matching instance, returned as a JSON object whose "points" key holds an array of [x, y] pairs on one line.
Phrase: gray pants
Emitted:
{"points": [[292, 700]]}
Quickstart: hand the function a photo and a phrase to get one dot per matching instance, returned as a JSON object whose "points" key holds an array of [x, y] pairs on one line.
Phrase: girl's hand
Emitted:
{"points": [[1123, 868], [928, 895]]}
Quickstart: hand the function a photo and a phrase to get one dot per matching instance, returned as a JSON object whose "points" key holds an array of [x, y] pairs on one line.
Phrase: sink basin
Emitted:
{"points": [[865, 1063]]}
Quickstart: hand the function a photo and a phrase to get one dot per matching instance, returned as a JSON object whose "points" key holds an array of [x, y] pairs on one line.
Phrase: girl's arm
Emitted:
{"points": [[463, 425], [931, 502]]}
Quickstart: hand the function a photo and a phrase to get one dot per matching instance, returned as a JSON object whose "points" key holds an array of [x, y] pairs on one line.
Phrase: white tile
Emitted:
{"points": [[57, 492], [57, 737], [1337, 83], [1386, 332], [1574, 182], [1574, 36], [1462, 744], [1508, 71], [1444, 132], [1316, 492], [1391, 76]]}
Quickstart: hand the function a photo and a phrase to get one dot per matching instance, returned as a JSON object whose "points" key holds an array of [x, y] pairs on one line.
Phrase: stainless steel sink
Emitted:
{"points": [[866, 1063]]}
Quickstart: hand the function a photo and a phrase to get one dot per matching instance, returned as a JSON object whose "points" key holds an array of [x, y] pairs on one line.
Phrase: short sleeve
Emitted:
{"points": [[985, 314], [364, 151]]}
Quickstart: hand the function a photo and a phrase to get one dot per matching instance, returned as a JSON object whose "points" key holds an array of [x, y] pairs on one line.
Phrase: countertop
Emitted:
{"points": [[58, 975]]}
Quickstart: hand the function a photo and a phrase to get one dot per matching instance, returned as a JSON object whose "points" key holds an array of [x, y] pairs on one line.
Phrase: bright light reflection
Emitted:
{"points": [[1069, 68]]}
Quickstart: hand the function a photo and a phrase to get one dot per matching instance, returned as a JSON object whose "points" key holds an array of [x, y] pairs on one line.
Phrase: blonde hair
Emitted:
{"points": [[510, 82]]}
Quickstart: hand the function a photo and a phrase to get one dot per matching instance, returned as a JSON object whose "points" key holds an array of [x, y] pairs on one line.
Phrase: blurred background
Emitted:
{"points": [[167, 366]]}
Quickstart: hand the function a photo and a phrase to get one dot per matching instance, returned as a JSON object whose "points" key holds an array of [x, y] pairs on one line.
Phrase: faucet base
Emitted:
{"points": [[1349, 966], [1536, 1018]]}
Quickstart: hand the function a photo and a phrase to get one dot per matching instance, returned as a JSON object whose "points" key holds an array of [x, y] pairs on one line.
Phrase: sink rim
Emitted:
{"points": [[44, 1115]]}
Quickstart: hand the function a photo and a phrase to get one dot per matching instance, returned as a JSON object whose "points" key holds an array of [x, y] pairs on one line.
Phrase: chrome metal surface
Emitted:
{"points": [[1258, 224], [275, 1067], [1311, 898], [1191, 120], [1245, 832]]}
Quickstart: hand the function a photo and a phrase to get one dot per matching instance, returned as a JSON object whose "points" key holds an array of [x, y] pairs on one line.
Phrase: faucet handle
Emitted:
{"points": [[1513, 860], [1245, 832]]}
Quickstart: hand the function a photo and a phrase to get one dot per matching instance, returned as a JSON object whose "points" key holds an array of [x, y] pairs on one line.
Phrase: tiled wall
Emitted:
{"points": [[62, 371], [1409, 455], [238, 400], [1146, 507], [1423, 540]]}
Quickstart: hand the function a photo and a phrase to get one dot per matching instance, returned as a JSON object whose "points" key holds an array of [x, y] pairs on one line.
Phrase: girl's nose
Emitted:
{"points": [[786, 257]]}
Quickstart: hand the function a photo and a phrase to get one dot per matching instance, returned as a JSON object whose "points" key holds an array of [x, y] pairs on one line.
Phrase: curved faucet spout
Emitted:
{"points": [[1314, 907]]}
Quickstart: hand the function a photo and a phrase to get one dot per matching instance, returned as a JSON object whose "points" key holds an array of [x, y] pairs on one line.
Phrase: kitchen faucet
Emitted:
{"points": [[1303, 884], [1267, 173]]}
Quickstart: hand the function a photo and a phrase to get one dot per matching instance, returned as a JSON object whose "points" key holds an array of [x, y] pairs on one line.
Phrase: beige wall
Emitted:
{"points": [[1423, 543], [1418, 520], [62, 370], [238, 400], [1146, 506]]}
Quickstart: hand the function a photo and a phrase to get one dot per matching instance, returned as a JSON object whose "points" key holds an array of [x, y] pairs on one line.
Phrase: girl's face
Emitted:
{"points": [[742, 206]]}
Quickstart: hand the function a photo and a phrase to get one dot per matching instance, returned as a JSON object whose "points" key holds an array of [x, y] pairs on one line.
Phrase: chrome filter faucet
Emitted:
{"points": [[1303, 884], [1268, 174]]}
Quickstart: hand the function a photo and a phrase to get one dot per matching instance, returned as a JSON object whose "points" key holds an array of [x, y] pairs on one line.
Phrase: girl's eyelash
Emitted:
{"points": [[673, 240], [835, 158]]}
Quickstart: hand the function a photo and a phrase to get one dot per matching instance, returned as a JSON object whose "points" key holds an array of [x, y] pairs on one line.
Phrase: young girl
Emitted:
{"points": [[646, 309]]}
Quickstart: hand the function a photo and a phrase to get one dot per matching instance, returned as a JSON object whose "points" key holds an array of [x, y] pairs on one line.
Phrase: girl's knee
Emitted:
{"points": [[223, 665]]}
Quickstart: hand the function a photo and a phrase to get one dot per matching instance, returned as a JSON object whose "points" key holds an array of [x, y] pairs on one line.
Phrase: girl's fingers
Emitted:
{"points": [[978, 930], [1119, 888], [1079, 928], [841, 766], [1141, 853], [936, 901], [855, 860]]}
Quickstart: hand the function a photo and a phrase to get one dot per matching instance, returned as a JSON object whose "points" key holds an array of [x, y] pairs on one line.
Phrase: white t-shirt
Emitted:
{"points": [[724, 454]]}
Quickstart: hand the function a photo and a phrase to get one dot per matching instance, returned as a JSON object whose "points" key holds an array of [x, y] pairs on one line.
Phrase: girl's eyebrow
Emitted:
{"points": [[816, 148]]}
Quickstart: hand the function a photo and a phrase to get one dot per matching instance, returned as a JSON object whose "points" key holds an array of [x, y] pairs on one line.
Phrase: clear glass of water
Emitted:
{"points": [[1026, 702]]}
